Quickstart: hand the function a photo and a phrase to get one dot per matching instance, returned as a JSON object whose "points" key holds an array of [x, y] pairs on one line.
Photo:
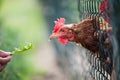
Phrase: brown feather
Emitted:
{"points": [[84, 35]]}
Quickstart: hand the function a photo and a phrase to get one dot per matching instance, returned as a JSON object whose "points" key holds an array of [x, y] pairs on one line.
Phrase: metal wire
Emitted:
{"points": [[100, 69]]}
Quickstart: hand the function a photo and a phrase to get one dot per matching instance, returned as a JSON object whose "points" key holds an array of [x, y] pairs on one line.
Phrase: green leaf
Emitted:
{"points": [[22, 48]]}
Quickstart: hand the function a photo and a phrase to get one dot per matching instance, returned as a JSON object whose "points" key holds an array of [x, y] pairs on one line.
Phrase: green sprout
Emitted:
{"points": [[22, 48]]}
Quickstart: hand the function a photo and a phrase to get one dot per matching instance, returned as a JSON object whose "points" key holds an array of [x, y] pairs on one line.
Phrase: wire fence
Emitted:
{"points": [[100, 64]]}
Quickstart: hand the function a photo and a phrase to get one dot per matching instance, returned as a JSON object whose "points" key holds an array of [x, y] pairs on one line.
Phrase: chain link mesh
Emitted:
{"points": [[101, 64]]}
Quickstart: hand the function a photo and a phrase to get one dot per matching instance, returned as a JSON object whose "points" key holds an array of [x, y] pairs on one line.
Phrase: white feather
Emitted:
{"points": [[68, 25]]}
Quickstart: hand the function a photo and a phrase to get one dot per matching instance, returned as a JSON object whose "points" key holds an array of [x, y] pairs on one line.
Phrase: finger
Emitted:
{"points": [[2, 67], [5, 59], [4, 54]]}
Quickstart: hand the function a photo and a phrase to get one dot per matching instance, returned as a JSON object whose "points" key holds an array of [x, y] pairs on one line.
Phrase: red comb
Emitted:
{"points": [[104, 7], [59, 24]]}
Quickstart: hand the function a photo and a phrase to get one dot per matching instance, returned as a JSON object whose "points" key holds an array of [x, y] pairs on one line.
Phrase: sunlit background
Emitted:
{"points": [[32, 21]]}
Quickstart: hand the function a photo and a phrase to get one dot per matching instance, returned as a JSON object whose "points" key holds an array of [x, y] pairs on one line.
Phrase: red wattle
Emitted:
{"points": [[63, 41]]}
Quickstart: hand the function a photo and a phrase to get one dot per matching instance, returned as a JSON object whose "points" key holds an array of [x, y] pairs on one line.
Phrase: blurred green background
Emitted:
{"points": [[21, 21]]}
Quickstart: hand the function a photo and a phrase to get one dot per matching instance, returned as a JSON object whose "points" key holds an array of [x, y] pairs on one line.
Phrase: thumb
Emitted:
{"points": [[4, 54]]}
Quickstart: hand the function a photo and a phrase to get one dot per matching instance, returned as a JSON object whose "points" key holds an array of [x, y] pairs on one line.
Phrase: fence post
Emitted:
{"points": [[115, 22]]}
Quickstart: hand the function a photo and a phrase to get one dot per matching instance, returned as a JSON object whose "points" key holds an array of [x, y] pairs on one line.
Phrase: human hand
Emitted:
{"points": [[5, 57]]}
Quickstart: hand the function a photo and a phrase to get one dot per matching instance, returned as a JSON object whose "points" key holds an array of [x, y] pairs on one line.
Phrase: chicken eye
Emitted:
{"points": [[62, 30]]}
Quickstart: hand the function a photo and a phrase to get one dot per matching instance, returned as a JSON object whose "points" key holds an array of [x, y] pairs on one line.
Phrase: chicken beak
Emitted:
{"points": [[53, 36]]}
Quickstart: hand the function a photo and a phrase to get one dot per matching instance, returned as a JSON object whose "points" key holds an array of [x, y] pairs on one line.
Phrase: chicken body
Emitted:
{"points": [[85, 35]]}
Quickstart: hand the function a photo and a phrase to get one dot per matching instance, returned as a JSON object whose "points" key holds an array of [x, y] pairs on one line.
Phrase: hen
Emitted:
{"points": [[104, 9], [82, 33]]}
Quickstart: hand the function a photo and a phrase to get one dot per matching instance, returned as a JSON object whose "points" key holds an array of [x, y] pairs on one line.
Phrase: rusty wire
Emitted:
{"points": [[100, 69]]}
